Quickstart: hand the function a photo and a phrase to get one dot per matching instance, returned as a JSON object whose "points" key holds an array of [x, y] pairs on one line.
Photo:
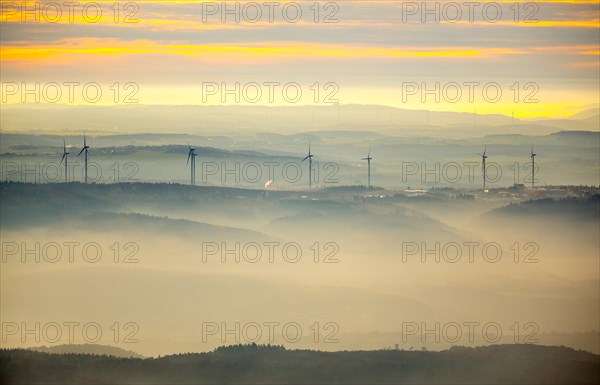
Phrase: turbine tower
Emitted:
{"points": [[368, 159], [192, 155], [85, 150], [483, 170], [533, 155], [64, 158], [309, 157]]}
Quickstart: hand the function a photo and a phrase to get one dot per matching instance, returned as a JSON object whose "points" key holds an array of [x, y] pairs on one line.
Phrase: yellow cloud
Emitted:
{"points": [[91, 46], [541, 23]]}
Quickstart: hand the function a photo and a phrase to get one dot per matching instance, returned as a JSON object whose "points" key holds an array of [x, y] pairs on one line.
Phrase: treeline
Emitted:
{"points": [[574, 209], [506, 364]]}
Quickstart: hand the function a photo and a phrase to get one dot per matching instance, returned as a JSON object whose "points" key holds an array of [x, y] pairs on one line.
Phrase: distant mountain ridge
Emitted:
{"points": [[94, 349], [217, 120]]}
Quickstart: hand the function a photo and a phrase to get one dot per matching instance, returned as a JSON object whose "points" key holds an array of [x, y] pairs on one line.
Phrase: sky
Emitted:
{"points": [[530, 59]]}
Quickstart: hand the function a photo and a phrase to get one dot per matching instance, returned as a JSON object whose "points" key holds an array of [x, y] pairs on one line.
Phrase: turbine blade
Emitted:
{"points": [[81, 151], [188, 158]]}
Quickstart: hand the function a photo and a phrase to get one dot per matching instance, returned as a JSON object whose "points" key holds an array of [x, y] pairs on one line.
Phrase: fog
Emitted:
{"points": [[299, 192], [168, 268]]}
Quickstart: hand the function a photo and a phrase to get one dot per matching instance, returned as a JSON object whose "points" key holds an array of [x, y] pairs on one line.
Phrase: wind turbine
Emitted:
{"points": [[533, 155], [483, 170], [368, 159], [192, 155], [64, 158], [309, 157], [85, 150]]}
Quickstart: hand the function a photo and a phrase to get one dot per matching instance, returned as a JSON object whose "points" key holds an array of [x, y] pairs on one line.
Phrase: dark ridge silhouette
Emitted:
{"points": [[572, 209], [264, 364]]}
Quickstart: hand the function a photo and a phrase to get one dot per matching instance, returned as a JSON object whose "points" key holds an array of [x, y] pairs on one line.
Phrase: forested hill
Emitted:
{"points": [[500, 364], [88, 349]]}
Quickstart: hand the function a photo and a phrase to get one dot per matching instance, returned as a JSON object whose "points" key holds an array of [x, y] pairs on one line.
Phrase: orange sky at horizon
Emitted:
{"points": [[172, 35]]}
